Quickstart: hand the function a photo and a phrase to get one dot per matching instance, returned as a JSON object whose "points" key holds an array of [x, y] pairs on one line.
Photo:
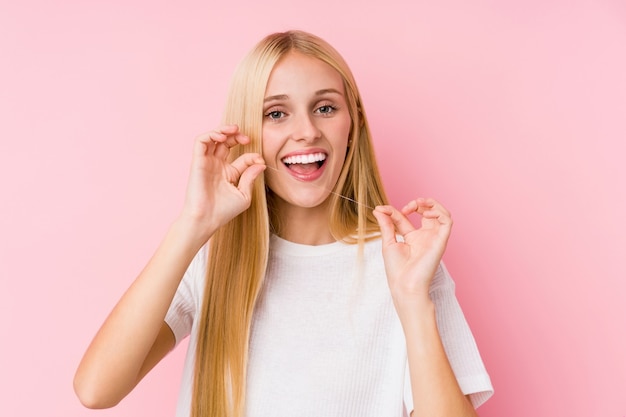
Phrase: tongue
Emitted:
{"points": [[303, 168]]}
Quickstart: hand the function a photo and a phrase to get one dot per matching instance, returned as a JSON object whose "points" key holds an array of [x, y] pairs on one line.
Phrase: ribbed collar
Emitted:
{"points": [[283, 246]]}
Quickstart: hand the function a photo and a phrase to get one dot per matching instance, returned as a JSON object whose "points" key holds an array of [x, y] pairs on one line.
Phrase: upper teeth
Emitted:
{"points": [[304, 159]]}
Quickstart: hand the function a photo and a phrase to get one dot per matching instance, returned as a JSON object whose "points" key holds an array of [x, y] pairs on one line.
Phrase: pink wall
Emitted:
{"points": [[511, 112]]}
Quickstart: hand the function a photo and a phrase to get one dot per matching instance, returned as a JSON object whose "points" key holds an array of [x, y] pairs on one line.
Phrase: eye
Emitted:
{"points": [[275, 114], [326, 109]]}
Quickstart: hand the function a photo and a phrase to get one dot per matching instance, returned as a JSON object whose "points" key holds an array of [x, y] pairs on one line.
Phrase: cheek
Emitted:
{"points": [[348, 128], [342, 136], [344, 130], [268, 144], [345, 135]]}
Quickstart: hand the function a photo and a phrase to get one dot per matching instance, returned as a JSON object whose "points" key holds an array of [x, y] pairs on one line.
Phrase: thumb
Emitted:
{"points": [[387, 228], [247, 178]]}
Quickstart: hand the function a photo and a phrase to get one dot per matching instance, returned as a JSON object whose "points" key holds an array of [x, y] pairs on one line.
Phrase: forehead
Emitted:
{"points": [[297, 72]]}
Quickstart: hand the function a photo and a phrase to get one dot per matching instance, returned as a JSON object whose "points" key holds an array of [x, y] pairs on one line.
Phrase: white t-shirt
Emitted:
{"points": [[326, 339]]}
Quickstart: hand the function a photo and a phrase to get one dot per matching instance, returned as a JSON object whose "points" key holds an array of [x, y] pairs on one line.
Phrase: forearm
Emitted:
{"points": [[435, 389], [114, 362]]}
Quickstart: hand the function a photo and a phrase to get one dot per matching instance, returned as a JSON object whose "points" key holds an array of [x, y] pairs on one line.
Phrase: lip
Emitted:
{"points": [[306, 177], [307, 151]]}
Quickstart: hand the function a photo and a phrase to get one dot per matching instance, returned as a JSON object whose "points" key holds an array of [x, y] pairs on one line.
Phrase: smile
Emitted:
{"points": [[306, 166], [318, 157]]}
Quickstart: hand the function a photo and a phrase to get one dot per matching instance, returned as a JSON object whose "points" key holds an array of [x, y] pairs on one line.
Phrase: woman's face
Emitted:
{"points": [[306, 124]]}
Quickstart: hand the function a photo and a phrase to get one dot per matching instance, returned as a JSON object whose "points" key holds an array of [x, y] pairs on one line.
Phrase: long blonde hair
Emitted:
{"points": [[238, 252]]}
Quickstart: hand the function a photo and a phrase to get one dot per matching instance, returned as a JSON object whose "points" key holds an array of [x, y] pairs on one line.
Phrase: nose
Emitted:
{"points": [[305, 129]]}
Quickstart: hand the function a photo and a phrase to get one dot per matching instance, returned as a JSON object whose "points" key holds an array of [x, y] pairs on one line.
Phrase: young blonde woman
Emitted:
{"points": [[302, 292]]}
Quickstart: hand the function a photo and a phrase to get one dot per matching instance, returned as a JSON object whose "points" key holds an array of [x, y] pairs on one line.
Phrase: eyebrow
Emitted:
{"points": [[317, 93]]}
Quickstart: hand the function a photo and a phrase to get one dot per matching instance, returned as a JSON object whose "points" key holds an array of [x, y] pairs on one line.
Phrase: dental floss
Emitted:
{"points": [[324, 188]]}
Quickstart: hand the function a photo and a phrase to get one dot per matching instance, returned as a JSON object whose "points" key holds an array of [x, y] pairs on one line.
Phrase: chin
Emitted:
{"points": [[307, 201]]}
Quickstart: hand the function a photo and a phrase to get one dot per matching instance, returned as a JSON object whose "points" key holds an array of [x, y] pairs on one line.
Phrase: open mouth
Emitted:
{"points": [[305, 164]]}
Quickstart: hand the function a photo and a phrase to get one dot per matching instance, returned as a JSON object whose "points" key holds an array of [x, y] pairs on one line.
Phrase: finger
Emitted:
{"points": [[223, 131], [441, 217], [229, 139], [218, 134], [223, 142], [419, 205], [402, 224], [246, 160], [201, 146], [436, 216], [210, 143], [423, 205], [387, 229], [436, 206], [209, 140]]}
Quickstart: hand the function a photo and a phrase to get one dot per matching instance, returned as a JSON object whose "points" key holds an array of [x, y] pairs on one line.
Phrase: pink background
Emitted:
{"points": [[510, 112]]}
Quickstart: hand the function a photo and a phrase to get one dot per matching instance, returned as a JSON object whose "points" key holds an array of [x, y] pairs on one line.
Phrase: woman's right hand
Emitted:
{"points": [[135, 337], [217, 191]]}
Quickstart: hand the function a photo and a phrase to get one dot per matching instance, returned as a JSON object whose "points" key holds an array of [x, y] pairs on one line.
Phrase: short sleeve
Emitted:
{"points": [[458, 343], [187, 300]]}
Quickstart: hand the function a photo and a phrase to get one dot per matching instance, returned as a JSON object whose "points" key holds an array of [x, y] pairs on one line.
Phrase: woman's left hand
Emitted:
{"points": [[411, 264]]}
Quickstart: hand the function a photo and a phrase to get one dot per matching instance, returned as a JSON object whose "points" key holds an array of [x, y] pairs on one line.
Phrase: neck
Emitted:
{"points": [[303, 225]]}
